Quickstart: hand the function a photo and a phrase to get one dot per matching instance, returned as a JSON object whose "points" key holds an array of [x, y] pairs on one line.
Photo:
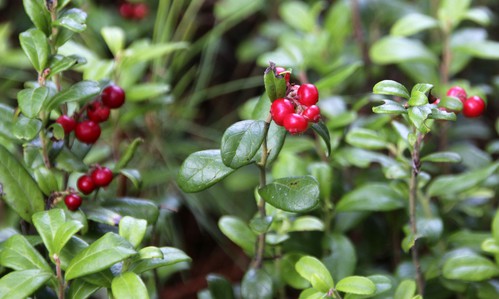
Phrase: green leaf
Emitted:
{"points": [[452, 12], [490, 245], [256, 284], [306, 223], [18, 254], [412, 23], [275, 85], [418, 98], [390, 87], [149, 52], [134, 176], [336, 79], [128, 155], [321, 129], [482, 49], [371, 197], [133, 230], [451, 103], [323, 173], [102, 254], [342, 259], [80, 289], [311, 293], [171, 256], [36, 46], [115, 41], [469, 267], [418, 116], [21, 284], [356, 285], [316, 273], [442, 157], [6, 125], [202, 170], [406, 289], [146, 91], [495, 227], [138, 208], [129, 286], [238, 232], [73, 19], [275, 141], [19, 190], [298, 15], [39, 14], [26, 128], [48, 180], [390, 107], [241, 141], [76, 93], [366, 139], [260, 225], [289, 273], [391, 49], [151, 252], [59, 63], [292, 194], [443, 115], [219, 287], [31, 100], [480, 15]]}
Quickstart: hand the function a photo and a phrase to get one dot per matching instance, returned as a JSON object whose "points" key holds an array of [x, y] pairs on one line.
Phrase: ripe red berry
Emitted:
{"points": [[280, 108], [140, 11], [113, 96], [457, 92], [85, 184], [312, 113], [98, 112], [308, 94], [280, 70], [67, 123], [295, 123], [473, 106], [127, 10], [72, 201], [102, 176], [87, 131]]}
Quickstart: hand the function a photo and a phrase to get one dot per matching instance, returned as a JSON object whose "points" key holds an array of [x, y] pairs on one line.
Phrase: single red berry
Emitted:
{"points": [[312, 113], [473, 106], [102, 176], [127, 10], [280, 108], [295, 123], [457, 92], [85, 184], [140, 11], [113, 96], [72, 201], [308, 94], [67, 123], [281, 70], [87, 131], [98, 112]]}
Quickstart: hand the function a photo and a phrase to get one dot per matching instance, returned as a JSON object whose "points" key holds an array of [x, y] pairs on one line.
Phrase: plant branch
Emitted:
{"points": [[60, 279]]}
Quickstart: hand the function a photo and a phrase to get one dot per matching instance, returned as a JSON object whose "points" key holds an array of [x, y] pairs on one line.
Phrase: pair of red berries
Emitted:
{"points": [[473, 106], [298, 109], [86, 184], [88, 131], [134, 11]]}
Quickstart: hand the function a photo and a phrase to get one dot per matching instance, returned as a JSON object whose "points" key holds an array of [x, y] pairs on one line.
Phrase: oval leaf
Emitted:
{"points": [[390, 87], [129, 286], [469, 267], [366, 139], [316, 273], [406, 289], [36, 46], [321, 129], [442, 157], [18, 254], [39, 14], [390, 107], [171, 256], [241, 141], [371, 197], [219, 287], [21, 284], [132, 229], [80, 289], [292, 194], [238, 232], [393, 49], [256, 284], [73, 19], [356, 285], [412, 24], [31, 100], [76, 93]]}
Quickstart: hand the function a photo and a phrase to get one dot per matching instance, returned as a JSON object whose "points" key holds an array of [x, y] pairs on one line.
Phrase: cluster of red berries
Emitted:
{"points": [[87, 183], [134, 11], [88, 130], [297, 110], [473, 106]]}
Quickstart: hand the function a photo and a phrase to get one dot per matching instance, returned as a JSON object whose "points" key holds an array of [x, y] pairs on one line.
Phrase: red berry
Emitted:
{"points": [[295, 123], [308, 94], [85, 184], [127, 10], [87, 131], [72, 201], [113, 96], [102, 176], [280, 108], [140, 11], [312, 113], [98, 112], [67, 123], [457, 92], [281, 70], [473, 106]]}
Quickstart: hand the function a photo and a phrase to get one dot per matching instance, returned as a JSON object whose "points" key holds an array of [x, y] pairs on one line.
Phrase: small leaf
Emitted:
{"points": [[146, 91], [412, 23], [21, 284], [316, 273], [298, 15], [495, 227], [390, 107], [275, 141], [356, 285], [18, 254], [292, 194], [366, 139], [469, 267], [59, 63], [219, 287], [405, 290], [443, 115], [418, 98], [260, 225], [321, 129], [442, 157], [73, 19], [36, 46], [371, 197], [238, 232], [171, 256], [80, 289], [306, 223], [452, 12], [275, 85], [479, 15], [391, 49], [31, 100], [241, 141], [128, 155], [323, 173], [133, 175], [138, 208], [39, 15], [451, 103], [27, 128], [133, 230], [129, 286], [48, 180], [342, 259], [256, 284], [149, 52], [151, 252], [289, 273], [418, 116], [390, 87], [76, 93], [115, 41]]}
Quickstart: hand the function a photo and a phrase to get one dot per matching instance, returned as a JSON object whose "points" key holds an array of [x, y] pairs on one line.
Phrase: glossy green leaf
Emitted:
{"points": [[412, 23], [76, 93], [31, 100], [306, 223], [469, 267], [138, 208], [256, 284], [146, 91], [495, 227], [129, 153], [289, 273], [298, 15], [366, 139], [26, 128], [480, 15], [406, 289], [452, 12], [321, 129], [323, 173], [48, 180], [490, 245], [133, 230], [418, 116], [391, 49], [18, 254], [442, 115], [241, 141], [311, 293], [390, 107], [151, 252], [38, 14], [129, 286], [275, 141], [149, 52], [260, 225], [275, 85], [356, 285], [73, 19], [21, 284], [390, 87], [59, 63], [219, 287], [316, 273], [68, 161], [6, 125], [451, 103], [103, 253], [336, 79], [342, 259], [36, 46], [418, 98], [170, 257], [115, 41], [292, 194], [371, 197], [80, 289], [202, 170], [134, 176], [483, 49], [19, 190], [238, 232], [442, 157]]}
